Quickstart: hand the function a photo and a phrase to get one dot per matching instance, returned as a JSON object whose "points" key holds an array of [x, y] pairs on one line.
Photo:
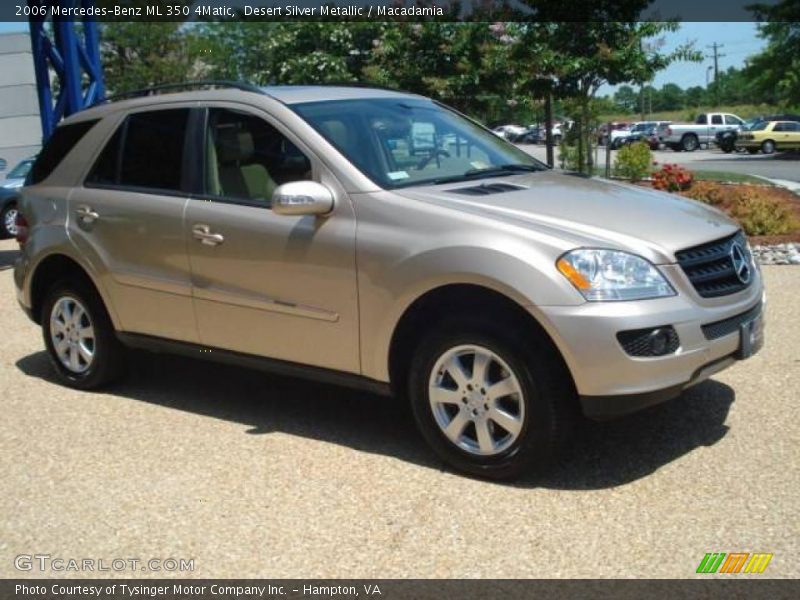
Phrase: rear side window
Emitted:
{"points": [[716, 120], [146, 151], [57, 147]]}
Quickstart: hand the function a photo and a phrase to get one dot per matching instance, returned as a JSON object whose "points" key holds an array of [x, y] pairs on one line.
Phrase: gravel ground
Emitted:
{"points": [[256, 476]]}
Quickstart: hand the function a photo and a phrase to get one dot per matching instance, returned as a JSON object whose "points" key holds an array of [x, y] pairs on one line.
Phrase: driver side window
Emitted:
{"points": [[247, 158]]}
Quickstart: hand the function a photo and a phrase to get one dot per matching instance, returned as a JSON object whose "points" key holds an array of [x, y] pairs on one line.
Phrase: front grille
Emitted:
{"points": [[718, 329], [637, 342], [486, 189], [710, 267]]}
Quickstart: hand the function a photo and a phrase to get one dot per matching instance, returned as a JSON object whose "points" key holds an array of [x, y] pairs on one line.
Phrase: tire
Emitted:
{"points": [[8, 217], [768, 147], [88, 362], [690, 143], [538, 413]]}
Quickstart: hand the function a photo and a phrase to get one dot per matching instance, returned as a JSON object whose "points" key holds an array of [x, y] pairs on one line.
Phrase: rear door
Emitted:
{"points": [[128, 220], [787, 135]]}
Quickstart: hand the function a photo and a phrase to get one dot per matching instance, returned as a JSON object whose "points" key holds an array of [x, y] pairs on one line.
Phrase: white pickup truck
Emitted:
{"points": [[689, 137]]}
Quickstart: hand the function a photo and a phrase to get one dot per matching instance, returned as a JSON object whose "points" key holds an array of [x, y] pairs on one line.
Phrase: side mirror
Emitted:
{"points": [[302, 198]]}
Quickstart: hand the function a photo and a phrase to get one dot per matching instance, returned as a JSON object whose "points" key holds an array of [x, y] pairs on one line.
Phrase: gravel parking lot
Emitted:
{"points": [[257, 476]]}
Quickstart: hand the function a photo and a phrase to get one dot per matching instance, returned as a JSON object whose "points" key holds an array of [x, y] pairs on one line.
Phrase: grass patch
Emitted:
{"points": [[731, 177]]}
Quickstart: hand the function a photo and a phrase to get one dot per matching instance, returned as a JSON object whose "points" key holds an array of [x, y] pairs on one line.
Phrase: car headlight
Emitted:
{"points": [[602, 275]]}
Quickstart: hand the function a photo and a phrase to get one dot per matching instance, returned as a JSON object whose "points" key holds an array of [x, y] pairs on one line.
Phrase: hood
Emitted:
{"points": [[590, 212], [12, 184]]}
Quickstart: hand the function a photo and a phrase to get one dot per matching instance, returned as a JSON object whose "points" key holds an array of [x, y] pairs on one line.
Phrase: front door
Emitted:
{"points": [[277, 286]]}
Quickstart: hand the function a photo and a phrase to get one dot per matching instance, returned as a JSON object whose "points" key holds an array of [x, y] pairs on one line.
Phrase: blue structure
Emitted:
{"points": [[73, 54]]}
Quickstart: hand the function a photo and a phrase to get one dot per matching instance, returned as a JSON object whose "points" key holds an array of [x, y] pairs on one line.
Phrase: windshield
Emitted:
{"points": [[759, 126], [399, 142], [20, 171]]}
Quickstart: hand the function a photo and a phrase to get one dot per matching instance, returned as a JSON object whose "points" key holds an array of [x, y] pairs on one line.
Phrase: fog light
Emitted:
{"points": [[653, 341]]}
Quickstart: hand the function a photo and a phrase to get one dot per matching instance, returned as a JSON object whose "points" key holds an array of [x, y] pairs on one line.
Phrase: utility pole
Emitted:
{"points": [[716, 56]]}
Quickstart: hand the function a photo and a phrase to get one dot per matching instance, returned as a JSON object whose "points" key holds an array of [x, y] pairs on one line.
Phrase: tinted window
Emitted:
{"points": [[152, 149], [106, 169], [21, 170], [402, 142], [247, 158], [716, 120], [57, 147], [701, 120]]}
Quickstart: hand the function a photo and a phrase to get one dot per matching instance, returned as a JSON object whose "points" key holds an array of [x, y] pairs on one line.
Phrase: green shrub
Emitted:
{"points": [[568, 157], [763, 216], [633, 161]]}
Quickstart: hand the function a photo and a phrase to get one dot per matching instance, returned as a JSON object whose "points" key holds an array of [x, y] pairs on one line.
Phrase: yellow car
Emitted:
{"points": [[769, 136]]}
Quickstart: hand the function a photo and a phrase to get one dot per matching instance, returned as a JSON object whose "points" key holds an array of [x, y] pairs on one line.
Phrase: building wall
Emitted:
{"points": [[20, 128]]}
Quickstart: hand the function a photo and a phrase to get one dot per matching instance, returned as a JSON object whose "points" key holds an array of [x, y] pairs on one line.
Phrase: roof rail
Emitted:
{"points": [[172, 87]]}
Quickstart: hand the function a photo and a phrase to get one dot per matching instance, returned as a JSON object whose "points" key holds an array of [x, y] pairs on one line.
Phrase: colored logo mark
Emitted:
{"points": [[735, 562]]}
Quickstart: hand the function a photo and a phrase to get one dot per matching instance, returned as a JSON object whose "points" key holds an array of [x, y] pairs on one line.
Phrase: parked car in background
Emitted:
{"points": [[508, 131], [769, 136], [16, 176], [533, 135], [726, 140], [690, 136], [647, 131], [603, 131], [9, 188]]}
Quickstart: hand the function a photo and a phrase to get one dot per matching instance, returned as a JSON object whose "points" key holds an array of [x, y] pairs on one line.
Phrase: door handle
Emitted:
{"points": [[86, 214], [203, 233]]}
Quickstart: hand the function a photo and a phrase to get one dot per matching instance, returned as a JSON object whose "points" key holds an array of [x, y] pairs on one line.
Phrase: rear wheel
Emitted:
{"points": [[768, 147], [490, 404], [79, 337], [690, 143], [8, 221]]}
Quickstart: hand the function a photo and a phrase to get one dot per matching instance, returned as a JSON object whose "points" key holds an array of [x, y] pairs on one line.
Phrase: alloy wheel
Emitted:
{"points": [[10, 221], [476, 400], [72, 334]]}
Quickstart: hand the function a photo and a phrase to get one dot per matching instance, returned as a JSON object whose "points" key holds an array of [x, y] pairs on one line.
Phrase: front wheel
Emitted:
{"points": [[79, 337], [768, 147], [489, 404]]}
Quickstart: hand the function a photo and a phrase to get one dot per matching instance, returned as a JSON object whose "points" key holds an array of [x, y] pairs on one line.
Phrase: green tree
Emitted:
{"points": [[626, 99], [287, 52], [579, 57], [695, 96], [670, 97], [135, 55], [775, 72]]}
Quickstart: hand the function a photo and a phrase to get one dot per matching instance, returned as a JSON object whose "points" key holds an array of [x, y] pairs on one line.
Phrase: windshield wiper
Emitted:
{"points": [[490, 172]]}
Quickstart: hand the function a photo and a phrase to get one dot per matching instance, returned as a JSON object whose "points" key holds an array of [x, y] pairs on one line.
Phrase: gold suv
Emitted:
{"points": [[378, 239]]}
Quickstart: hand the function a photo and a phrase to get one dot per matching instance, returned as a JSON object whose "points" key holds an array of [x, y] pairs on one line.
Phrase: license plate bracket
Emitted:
{"points": [[751, 337]]}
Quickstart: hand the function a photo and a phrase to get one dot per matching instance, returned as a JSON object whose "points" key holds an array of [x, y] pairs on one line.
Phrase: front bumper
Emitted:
{"points": [[609, 381]]}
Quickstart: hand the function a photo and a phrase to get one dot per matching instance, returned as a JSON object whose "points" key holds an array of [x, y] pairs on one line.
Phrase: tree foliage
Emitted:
{"points": [[776, 70]]}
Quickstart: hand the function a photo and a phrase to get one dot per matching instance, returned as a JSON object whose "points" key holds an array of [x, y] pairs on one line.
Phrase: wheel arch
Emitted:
{"points": [[60, 267], [451, 299]]}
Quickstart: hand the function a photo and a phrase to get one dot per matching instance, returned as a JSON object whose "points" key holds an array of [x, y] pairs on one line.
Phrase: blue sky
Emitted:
{"points": [[739, 40]]}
